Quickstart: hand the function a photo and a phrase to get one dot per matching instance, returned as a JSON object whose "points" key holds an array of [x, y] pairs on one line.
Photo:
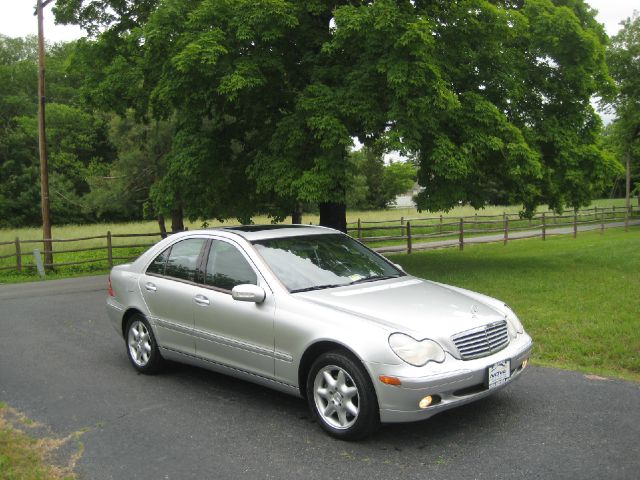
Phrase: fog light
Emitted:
{"points": [[390, 380], [525, 363], [425, 402]]}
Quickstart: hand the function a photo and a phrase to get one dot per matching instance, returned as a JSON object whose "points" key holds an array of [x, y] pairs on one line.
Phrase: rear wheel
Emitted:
{"points": [[341, 396], [142, 348]]}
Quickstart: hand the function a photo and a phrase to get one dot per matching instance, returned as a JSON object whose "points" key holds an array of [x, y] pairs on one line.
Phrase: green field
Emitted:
{"points": [[578, 298], [127, 251]]}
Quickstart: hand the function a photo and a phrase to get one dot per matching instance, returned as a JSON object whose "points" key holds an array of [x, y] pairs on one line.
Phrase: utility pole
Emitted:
{"points": [[628, 182], [42, 140]]}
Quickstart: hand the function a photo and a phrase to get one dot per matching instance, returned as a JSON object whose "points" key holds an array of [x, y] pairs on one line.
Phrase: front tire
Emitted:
{"points": [[142, 348], [341, 396]]}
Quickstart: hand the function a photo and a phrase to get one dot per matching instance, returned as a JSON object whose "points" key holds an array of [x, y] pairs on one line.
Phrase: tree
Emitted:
{"points": [[267, 94], [374, 185], [624, 64], [121, 189], [75, 138]]}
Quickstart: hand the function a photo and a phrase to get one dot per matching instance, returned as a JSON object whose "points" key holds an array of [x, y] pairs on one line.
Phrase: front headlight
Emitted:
{"points": [[414, 352], [513, 323]]}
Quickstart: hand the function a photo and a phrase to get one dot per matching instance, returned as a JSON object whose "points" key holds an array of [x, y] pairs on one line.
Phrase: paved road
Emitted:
{"points": [[63, 365], [499, 237]]}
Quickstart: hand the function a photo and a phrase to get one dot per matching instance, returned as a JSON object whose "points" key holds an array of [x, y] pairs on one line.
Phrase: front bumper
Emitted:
{"points": [[450, 384]]}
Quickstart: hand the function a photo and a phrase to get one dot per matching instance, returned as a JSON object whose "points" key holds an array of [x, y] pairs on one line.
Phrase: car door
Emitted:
{"points": [[230, 332], [168, 288]]}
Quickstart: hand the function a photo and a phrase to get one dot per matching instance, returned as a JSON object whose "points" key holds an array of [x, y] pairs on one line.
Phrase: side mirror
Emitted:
{"points": [[248, 293], [399, 267]]}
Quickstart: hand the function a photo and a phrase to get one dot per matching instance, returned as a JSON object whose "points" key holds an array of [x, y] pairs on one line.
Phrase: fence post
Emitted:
{"points": [[359, 230], [18, 256], [602, 224], [614, 211], [575, 223], [626, 220], [506, 230], [109, 250], [544, 227], [462, 234], [402, 226], [440, 224], [409, 237]]}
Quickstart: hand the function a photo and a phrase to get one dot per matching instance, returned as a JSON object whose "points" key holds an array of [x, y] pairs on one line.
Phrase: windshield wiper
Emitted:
{"points": [[319, 287], [335, 285], [374, 279]]}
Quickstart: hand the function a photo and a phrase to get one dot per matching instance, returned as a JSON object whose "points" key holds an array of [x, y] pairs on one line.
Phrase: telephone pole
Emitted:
{"points": [[42, 140]]}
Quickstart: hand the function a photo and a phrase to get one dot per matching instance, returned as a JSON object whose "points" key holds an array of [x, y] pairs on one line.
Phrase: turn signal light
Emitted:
{"points": [[111, 292], [425, 402], [390, 380]]}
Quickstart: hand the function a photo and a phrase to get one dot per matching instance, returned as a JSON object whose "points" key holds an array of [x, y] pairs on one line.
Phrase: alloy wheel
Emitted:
{"points": [[336, 397], [139, 343]]}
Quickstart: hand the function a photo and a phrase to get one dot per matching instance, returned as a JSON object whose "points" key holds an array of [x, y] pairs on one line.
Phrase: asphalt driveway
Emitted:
{"points": [[63, 365]]}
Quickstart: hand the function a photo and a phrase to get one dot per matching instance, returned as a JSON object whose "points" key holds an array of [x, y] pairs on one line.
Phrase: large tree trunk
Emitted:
{"points": [[334, 215], [296, 214], [163, 228], [177, 222]]}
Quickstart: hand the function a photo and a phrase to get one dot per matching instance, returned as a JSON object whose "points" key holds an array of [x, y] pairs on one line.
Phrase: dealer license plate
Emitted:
{"points": [[499, 373]]}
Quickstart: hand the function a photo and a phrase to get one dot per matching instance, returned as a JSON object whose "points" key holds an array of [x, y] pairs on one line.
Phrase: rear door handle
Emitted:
{"points": [[150, 287], [201, 300]]}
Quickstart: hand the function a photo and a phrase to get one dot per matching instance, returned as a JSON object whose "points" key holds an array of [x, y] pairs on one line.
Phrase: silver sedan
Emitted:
{"points": [[312, 312]]}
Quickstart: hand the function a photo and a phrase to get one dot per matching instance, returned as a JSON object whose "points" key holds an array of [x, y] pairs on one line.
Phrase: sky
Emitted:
{"points": [[17, 19]]}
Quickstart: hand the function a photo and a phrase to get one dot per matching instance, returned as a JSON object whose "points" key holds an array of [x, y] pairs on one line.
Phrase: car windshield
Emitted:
{"points": [[314, 262]]}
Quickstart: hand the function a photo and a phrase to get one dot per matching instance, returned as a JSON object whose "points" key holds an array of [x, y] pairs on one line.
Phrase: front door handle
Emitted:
{"points": [[150, 287], [201, 300]]}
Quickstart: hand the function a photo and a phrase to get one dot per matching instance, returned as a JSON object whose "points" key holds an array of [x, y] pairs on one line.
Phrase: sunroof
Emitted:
{"points": [[259, 228]]}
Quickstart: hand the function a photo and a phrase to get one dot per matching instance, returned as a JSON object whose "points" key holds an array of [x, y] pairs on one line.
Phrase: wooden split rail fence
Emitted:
{"points": [[110, 250], [411, 234], [406, 234]]}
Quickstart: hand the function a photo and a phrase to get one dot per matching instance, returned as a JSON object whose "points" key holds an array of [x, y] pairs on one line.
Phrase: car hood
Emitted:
{"points": [[411, 305]]}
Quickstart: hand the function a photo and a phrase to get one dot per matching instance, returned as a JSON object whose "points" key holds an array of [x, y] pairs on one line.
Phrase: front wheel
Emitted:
{"points": [[142, 348], [341, 396]]}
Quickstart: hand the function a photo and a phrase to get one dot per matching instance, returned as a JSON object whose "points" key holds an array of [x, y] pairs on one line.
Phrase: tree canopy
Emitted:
{"points": [[267, 96], [76, 138], [624, 64]]}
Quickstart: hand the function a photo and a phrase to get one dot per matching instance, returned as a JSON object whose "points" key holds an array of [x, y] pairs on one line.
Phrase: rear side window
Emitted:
{"points": [[227, 267], [179, 261]]}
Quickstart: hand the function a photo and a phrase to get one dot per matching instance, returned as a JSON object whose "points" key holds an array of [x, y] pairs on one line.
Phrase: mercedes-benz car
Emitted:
{"points": [[312, 312]]}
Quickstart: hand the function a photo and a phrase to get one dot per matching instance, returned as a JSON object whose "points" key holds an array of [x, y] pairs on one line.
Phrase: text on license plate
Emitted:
{"points": [[499, 373]]}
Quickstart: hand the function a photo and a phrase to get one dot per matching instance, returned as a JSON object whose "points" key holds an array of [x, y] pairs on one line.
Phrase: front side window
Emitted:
{"points": [[183, 259], [227, 267], [313, 262]]}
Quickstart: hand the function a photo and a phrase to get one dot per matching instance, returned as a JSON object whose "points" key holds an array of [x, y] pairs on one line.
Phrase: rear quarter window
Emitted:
{"points": [[159, 263]]}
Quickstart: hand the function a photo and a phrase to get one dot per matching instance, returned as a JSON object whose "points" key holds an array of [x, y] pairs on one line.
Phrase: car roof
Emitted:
{"points": [[264, 232]]}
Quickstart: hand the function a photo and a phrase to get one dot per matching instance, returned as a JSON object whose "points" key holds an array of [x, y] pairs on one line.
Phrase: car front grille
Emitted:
{"points": [[482, 341]]}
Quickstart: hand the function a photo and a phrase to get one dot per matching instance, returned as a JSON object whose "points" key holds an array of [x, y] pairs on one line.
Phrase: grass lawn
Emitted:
{"points": [[578, 298], [23, 457]]}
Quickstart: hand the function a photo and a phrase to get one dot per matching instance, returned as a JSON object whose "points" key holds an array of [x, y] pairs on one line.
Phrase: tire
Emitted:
{"points": [[341, 396], [142, 348]]}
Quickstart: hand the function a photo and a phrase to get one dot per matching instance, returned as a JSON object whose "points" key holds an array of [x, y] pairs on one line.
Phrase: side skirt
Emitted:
{"points": [[196, 361]]}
